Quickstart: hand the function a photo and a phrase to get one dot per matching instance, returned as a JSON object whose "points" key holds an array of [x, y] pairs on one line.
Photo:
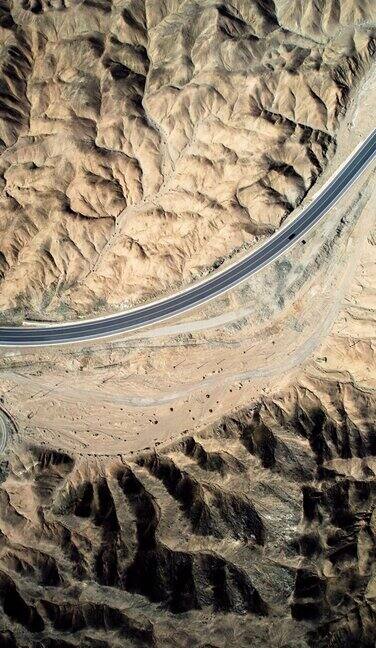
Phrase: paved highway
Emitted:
{"points": [[3, 435], [214, 285]]}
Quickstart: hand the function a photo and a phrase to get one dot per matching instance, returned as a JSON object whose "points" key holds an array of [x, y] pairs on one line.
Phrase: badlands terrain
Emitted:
{"points": [[142, 143], [208, 482]]}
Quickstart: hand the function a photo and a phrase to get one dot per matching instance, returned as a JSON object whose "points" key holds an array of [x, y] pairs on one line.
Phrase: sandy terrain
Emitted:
{"points": [[209, 482], [259, 527], [151, 387], [142, 143]]}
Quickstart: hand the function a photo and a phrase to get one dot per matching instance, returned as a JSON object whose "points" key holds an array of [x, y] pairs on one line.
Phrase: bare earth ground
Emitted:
{"points": [[214, 360], [143, 142], [259, 528], [210, 482]]}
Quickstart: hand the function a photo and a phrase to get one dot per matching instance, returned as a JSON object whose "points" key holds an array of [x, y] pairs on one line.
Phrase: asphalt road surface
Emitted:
{"points": [[3, 435], [214, 285]]}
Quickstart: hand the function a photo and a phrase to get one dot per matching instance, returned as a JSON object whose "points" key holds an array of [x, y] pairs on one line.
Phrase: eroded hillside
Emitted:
{"points": [[209, 482], [142, 142], [260, 529]]}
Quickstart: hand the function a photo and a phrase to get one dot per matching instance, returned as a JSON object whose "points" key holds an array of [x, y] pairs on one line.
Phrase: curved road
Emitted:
{"points": [[3, 435], [211, 287]]}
